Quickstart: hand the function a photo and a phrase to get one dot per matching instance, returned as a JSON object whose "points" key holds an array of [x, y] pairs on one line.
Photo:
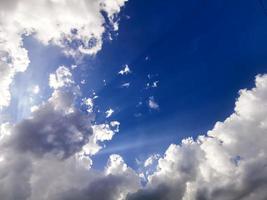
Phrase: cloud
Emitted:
{"points": [[109, 112], [101, 133], [76, 27], [154, 84], [35, 89], [151, 159], [126, 70], [116, 125], [62, 78], [48, 155], [228, 163], [118, 180], [6, 76], [89, 102], [55, 126], [153, 104], [125, 85]]}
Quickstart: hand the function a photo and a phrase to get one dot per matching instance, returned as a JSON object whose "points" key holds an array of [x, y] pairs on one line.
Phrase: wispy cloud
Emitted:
{"points": [[152, 103]]}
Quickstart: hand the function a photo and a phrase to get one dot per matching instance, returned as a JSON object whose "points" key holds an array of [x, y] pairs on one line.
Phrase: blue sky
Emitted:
{"points": [[200, 53], [131, 100], [200, 61]]}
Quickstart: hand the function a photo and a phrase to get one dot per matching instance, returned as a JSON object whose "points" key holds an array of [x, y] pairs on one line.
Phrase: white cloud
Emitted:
{"points": [[125, 85], [89, 102], [155, 84], [228, 163], [73, 67], [153, 104], [62, 78], [151, 159], [76, 27], [83, 82], [116, 125], [36, 89], [109, 112], [101, 133], [6, 77], [126, 70], [48, 155]]}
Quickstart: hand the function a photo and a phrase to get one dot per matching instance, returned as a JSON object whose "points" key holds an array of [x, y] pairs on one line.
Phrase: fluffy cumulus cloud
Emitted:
{"points": [[75, 26], [228, 163], [48, 155]]}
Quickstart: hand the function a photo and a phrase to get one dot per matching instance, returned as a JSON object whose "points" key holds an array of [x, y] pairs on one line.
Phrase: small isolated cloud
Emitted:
{"points": [[104, 82], [125, 85], [109, 112], [155, 84], [83, 82], [73, 67], [126, 70], [152, 103]]}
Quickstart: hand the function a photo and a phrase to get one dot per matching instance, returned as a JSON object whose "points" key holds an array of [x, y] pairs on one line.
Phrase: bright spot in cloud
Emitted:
{"points": [[62, 78], [36, 89]]}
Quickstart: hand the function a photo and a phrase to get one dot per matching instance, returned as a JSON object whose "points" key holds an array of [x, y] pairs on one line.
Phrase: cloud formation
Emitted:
{"points": [[228, 163], [76, 27], [48, 156]]}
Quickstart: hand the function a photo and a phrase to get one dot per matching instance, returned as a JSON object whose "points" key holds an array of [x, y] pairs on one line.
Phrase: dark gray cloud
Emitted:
{"points": [[55, 127], [107, 188], [51, 132]]}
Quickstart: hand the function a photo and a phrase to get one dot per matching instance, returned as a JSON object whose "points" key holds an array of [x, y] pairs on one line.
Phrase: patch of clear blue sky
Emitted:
{"points": [[201, 51]]}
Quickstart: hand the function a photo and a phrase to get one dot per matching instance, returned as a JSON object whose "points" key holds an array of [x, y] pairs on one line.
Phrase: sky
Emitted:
{"points": [[133, 100]]}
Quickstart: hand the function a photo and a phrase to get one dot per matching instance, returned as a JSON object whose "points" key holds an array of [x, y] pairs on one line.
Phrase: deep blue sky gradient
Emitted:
{"points": [[201, 51]]}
